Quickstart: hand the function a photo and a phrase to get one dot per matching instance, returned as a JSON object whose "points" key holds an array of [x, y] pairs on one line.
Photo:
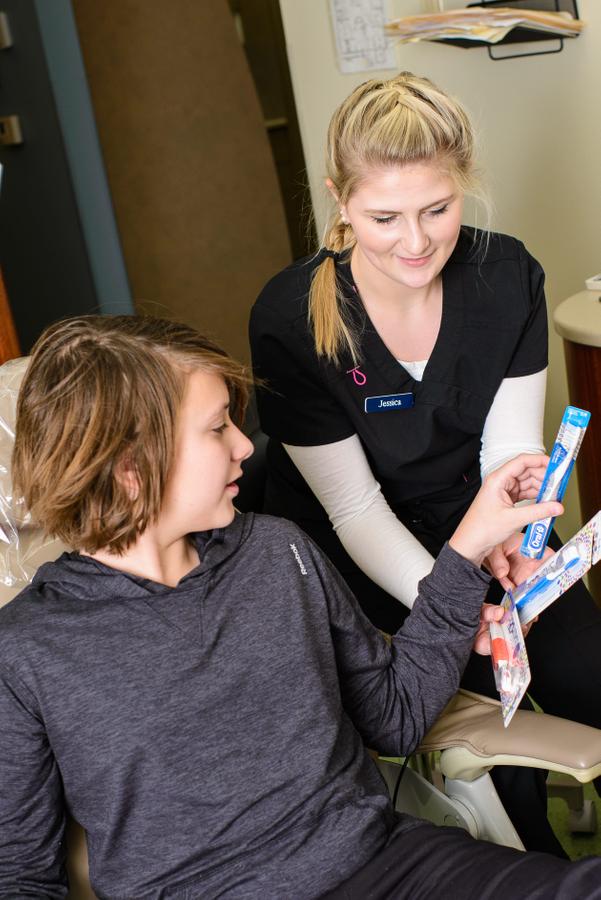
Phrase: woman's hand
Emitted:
{"points": [[493, 517]]}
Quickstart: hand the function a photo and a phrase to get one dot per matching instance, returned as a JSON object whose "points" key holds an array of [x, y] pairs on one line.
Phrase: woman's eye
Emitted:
{"points": [[440, 210], [220, 428], [384, 220]]}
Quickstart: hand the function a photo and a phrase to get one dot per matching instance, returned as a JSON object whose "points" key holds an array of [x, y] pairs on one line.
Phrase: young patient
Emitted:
{"points": [[197, 687]]}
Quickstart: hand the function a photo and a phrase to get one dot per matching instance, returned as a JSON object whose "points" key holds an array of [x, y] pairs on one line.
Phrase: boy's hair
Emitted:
{"points": [[100, 391]]}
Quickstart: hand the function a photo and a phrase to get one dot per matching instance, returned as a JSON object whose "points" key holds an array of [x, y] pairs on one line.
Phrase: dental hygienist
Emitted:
{"points": [[402, 364]]}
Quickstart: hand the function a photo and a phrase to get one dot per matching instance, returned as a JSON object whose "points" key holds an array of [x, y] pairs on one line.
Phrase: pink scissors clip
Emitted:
{"points": [[358, 377]]}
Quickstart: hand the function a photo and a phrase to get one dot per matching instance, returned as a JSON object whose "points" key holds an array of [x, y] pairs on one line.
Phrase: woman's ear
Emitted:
{"points": [[127, 475], [332, 189]]}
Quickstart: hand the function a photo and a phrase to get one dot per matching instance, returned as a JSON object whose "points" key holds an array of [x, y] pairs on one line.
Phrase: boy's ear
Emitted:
{"points": [[127, 475]]}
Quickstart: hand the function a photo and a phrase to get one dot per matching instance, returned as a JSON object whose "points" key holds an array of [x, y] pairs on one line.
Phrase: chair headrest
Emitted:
{"points": [[23, 546], [11, 375]]}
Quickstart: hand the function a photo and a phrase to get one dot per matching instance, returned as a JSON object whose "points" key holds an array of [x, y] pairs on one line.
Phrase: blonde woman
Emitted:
{"points": [[403, 363]]}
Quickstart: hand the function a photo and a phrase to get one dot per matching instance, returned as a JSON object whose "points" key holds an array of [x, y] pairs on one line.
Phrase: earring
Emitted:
{"points": [[345, 221]]}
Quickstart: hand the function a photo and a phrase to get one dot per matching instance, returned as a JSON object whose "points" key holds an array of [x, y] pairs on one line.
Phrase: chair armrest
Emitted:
{"points": [[471, 733]]}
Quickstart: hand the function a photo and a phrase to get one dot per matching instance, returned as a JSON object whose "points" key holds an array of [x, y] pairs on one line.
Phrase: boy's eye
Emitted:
{"points": [[384, 220], [440, 210]]}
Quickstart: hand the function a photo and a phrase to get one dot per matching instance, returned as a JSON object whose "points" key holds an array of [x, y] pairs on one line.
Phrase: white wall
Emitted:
{"points": [[540, 145]]}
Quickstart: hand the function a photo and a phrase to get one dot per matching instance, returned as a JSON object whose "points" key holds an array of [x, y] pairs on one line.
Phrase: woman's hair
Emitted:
{"points": [[101, 391], [383, 123]]}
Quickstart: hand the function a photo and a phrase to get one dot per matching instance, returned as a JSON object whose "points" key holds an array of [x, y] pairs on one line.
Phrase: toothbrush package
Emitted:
{"points": [[559, 572], [509, 658], [561, 462], [526, 601]]}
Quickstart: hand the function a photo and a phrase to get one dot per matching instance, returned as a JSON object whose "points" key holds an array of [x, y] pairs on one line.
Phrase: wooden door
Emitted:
{"points": [[189, 165]]}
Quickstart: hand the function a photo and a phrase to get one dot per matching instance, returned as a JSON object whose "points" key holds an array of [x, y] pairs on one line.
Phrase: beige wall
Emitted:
{"points": [[541, 145]]}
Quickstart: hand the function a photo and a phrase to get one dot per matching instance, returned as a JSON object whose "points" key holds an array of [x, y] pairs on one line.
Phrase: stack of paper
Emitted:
{"points": [[481, 24]]}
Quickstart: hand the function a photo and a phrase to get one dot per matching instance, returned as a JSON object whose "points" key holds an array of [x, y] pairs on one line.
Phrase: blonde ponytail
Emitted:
{"points": [[332, 331]]}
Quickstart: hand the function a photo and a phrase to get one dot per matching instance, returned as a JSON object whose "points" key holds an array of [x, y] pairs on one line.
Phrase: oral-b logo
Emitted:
{"points": [[538, 535]]}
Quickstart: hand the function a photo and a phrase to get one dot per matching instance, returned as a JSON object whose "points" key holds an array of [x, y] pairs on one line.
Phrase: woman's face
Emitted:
{"points": [[406, 221]]}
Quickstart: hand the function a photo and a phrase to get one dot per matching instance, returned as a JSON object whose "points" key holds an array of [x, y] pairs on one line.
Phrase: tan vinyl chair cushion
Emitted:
{"points": [[77, 864], [473, 724]]}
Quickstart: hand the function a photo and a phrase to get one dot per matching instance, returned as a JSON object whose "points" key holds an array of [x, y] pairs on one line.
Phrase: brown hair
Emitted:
{"points": [[383, 123], [99, 390]]}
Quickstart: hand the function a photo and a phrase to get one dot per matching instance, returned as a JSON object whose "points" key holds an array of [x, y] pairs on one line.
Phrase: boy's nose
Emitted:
{"points": [[242, 447]]}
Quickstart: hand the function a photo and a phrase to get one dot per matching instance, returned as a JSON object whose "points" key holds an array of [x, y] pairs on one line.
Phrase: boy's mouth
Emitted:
{"points": [[232, 486]]}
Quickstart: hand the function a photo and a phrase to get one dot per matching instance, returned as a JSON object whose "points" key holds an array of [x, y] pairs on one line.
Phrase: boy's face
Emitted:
{"points": [[209, 449]]}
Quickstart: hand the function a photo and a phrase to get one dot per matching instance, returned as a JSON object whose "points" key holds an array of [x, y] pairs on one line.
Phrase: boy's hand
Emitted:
{"points": [[491, 613], [488, 613], [509, 566], [493, 518]]}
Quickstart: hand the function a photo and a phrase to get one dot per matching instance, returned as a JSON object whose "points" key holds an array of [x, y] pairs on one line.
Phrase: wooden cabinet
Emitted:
{"points": [[9, 343], [578, 321]]}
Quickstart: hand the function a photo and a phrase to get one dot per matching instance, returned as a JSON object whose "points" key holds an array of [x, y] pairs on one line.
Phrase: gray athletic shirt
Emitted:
{"points": [[210, 738]]}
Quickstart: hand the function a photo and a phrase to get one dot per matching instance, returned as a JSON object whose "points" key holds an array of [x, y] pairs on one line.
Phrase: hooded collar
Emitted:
{"points": [[71, 571]]}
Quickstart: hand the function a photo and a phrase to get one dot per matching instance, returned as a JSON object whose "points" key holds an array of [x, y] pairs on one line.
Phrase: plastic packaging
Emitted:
{"points": [[509, 658], [23, 546], [560, 571], [563, 456], [554, 577]]}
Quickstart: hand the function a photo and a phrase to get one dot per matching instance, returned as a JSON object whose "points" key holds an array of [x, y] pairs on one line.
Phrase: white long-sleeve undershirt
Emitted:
{"points": [[341, 478]]}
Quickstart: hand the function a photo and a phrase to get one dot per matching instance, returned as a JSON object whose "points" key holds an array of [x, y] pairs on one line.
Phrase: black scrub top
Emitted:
{"points": [[425, 456]]}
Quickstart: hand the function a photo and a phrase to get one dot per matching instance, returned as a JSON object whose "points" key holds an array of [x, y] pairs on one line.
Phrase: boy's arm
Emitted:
{"points": [[32, 811], [394, 693]]}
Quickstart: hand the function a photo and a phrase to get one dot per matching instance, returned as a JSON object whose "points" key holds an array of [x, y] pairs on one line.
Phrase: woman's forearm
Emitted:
{"points": [[380, 545]]}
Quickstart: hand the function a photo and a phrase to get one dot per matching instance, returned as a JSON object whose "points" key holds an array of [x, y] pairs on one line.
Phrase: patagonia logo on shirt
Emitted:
{"points": [[389, 402]]}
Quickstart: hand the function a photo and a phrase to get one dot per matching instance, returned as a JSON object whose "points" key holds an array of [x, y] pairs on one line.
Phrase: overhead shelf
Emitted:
{"points": [[521, 34], [493, 23]]}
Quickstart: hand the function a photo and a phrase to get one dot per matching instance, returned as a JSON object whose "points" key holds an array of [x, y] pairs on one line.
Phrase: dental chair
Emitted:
{"points": [[466, 742]]}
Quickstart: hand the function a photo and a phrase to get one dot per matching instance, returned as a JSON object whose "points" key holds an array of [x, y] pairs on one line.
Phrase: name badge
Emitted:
{"points": [[389, 402]]}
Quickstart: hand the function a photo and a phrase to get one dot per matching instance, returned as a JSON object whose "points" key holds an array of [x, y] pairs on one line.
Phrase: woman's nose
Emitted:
{"points": [[415, 241]]}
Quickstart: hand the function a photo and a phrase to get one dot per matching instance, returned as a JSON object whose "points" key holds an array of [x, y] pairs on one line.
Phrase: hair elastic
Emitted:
{"points": [[331, 254]]}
